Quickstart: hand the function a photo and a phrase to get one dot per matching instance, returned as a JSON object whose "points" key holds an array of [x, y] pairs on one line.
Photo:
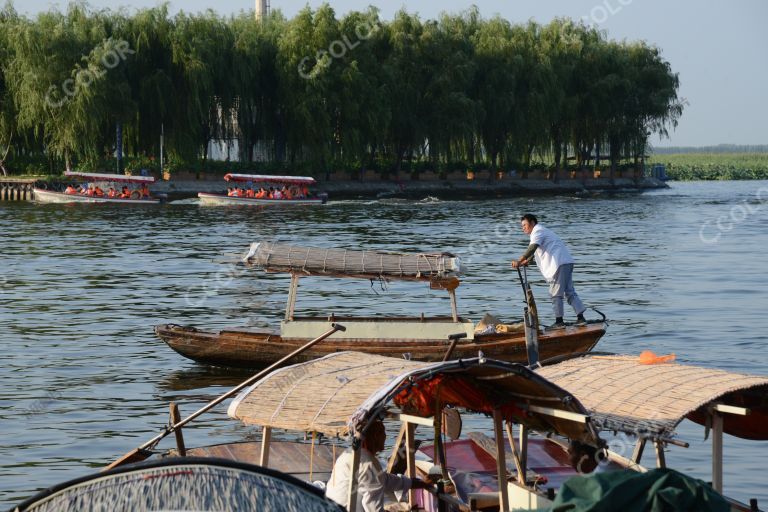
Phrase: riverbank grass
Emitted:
{"points": [[714, 166]]}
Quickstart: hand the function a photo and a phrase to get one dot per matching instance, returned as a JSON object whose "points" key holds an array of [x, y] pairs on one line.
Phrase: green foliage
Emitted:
{"points": [[714, 166], [318, 93]]}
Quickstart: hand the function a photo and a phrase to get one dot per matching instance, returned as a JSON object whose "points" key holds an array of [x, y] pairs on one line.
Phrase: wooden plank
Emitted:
{"points": [[717, 452], [731, 409], [289, 307], [454, 307], [523, 446], [559, 413], [395, 456], [353, 481], [661, 460], [637, 453], [417, 420], [521, 471], [175, 418], [266, 437], [410, 446], [501, 466]]}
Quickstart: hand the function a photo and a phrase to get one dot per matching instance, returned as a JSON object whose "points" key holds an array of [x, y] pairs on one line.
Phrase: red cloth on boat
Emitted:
{"points": [[420, 399]]}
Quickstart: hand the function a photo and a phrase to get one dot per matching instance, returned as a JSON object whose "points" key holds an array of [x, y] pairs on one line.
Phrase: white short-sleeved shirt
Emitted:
{"points": [[551, 253], [375, 486]]}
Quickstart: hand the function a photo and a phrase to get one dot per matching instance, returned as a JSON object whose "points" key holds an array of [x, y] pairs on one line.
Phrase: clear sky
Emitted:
{"points": [[719, 49]]}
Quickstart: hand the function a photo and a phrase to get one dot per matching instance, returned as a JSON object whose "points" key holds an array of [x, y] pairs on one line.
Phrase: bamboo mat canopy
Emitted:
{"points": [[440, 269], [342, 393], [652, 399]]}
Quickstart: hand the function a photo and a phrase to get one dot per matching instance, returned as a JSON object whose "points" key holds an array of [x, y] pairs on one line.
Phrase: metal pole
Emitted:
{"points": [[119, 148], [162, 133], [531, 320]]}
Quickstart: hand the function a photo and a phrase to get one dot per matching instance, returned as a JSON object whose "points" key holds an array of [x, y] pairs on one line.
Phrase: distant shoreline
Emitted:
{"points": [[442, 189]]}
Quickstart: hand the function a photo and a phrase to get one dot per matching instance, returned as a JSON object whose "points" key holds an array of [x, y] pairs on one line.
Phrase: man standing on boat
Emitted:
{"points": [[556, 265]]}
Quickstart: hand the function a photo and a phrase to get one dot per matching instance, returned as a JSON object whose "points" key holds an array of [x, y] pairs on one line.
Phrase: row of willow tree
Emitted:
{"points": [[317, 92]]}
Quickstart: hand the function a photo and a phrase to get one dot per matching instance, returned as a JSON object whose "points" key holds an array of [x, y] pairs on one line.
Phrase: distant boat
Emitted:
{"points": [[254, 180], [102, 181]]}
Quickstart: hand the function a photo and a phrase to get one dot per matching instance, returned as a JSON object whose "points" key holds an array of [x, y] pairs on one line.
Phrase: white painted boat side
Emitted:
{"points": [[222, 199], [49, 196]]}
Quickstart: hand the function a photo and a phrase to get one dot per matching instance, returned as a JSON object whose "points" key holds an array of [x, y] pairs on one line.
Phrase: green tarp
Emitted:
{"points": [[628, 491]]}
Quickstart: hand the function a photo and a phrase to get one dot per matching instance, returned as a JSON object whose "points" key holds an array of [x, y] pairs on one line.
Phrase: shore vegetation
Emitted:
{"points": [[319, 93]]}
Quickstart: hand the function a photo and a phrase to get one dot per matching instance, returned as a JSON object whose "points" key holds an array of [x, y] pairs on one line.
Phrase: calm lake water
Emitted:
{"points": [[85, 380]]}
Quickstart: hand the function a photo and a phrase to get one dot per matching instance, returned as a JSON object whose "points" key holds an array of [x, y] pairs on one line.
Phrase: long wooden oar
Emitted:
{"points": [[142, 452]]}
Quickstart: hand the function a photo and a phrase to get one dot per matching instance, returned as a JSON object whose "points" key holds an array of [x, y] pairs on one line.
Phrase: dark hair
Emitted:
{"points": [[530, 218]]}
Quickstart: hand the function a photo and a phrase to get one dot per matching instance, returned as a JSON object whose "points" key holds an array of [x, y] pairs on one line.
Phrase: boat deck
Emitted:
{"points": [[302, 460]]}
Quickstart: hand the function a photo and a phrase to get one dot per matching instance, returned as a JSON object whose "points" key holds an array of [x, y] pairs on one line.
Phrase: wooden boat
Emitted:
{"points": [[335, 399], [646, 401], [416, 337], [103, 181], [255, 180], [341, 394], [337, 396]]}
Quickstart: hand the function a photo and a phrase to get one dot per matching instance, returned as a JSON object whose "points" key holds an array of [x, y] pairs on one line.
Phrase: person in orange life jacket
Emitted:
{"points": [[555, 264], [70, 190]]}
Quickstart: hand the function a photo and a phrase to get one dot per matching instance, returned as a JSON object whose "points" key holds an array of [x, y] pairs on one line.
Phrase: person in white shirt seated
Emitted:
{"points": [[375, 486]]}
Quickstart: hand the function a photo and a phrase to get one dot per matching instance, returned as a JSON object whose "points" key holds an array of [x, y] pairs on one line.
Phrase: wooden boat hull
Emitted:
{"points": [[49, 196], [223, 199], [258, 348]]}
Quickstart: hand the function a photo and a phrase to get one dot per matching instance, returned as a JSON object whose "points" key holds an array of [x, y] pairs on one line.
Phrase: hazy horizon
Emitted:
{"points": [[717, 50]]}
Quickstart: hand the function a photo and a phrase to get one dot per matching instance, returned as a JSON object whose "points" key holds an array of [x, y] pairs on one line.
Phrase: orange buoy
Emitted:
{"points": [[648, 357]]}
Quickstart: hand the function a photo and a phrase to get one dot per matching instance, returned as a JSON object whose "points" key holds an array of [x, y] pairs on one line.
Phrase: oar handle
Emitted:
{"points": [[454, 340], [334, 328]]}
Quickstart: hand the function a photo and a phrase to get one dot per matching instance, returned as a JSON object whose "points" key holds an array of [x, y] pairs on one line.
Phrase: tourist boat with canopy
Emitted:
{"points": [[504, 465], [136, 188], [296, 186], [418, 336]]}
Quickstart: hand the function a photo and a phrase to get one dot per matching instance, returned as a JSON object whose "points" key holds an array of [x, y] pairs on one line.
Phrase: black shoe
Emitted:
{"points": [[580, 322], [557, 325]]}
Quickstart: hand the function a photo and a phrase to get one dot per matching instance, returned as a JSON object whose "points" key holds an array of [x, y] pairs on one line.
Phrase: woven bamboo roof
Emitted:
{"points": [[624, 395], [319, 395], [441, 269], [341, 393]]}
